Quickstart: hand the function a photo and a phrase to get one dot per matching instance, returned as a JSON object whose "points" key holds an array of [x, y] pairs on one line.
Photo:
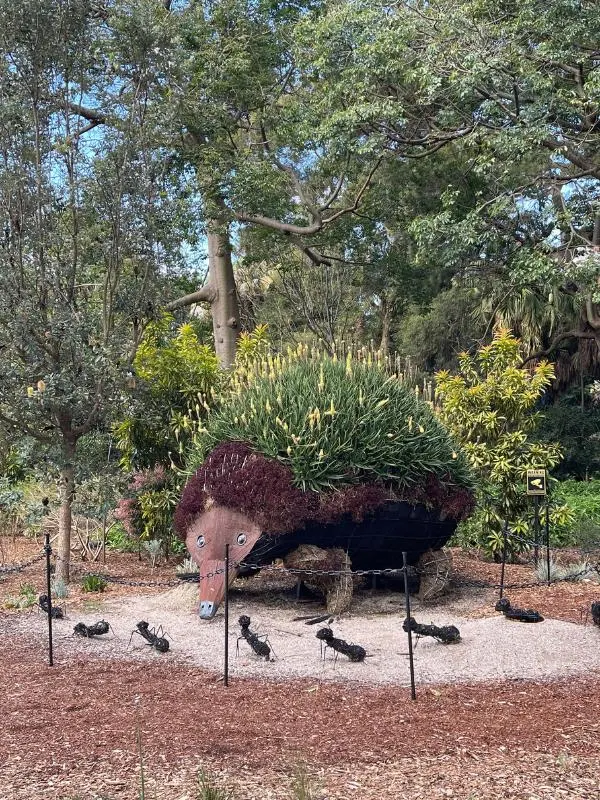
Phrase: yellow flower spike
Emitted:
{"points": [[321, 379], [268, 406], [390, 436], [279, 398], [454, 455], [321, 454], [332, 412], [30, 391], [41, 385], [361, 397], [295, 439], [349, 364], [289, 451], [421, 429], [279, 421], [383, 402], [410, 423]]}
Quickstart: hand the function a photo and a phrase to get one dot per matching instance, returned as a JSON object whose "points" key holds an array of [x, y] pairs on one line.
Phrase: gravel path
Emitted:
{"points": [[491, 647]]}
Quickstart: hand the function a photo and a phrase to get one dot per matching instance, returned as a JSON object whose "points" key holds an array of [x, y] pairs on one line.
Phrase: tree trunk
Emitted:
{"points": [[67, 491], [386, 324], [224, 305]]}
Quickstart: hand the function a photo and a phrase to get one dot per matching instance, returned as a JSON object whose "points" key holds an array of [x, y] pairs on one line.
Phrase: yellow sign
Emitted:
{"points": [[536, 481]]}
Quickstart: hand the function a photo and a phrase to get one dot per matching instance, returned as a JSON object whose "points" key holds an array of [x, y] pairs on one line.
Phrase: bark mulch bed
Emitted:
{"points": [[58, 720]]}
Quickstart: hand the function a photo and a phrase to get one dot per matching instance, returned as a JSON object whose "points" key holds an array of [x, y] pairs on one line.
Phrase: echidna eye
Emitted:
{"points": [[200, 541], [241, 538]]}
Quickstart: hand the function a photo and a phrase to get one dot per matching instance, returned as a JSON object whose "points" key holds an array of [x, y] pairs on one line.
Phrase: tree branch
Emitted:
{"points": [[204, 295], [91, 114], [555, 343], [21, 426], [318, 224]]}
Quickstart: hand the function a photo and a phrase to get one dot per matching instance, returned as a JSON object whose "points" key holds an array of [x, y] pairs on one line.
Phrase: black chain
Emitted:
{"points": [[6, 569], [479, 583]]}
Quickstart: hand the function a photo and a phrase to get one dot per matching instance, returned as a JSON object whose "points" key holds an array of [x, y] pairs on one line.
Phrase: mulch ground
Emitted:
{"points": [[76, 730]]}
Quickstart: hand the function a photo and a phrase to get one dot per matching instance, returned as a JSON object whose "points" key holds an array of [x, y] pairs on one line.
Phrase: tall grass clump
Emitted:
{"points": [[336, 423]]}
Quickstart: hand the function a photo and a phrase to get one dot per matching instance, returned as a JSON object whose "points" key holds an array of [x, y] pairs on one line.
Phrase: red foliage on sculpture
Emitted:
{"points": [[236, 477]]}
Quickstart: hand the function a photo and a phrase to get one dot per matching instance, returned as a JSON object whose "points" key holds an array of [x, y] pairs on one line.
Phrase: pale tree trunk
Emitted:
{"points": [[224, 302], [219, 292], [386, 324], [67, 492]]}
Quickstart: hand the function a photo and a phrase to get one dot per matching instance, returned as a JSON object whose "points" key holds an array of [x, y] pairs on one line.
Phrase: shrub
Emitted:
{"points": [[93, 583], [583, 497], [148, 512], [489, 409], [26, 598], [60, 589]]}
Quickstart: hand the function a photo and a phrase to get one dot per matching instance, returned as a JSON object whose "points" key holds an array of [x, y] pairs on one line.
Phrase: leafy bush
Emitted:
{"points": [[93, 583], [60, 589], [148, 511], [175, 372], [117, 538], [26, 598], [577, 430], [488, 408]]}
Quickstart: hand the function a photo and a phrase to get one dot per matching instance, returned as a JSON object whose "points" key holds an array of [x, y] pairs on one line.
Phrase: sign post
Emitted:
{"points": [[536, 482], [536, 487]]}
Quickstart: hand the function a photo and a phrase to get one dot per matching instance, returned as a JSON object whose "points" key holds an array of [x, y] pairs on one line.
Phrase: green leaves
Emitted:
{"points": [[488, 407]]}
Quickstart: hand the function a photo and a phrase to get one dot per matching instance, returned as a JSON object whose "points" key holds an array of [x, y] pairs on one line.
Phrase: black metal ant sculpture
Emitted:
{"points": [[97, 629], [155, 638], [354, 652], [596, 612], [518, 614], [446, 634], [261, 648], [57, 612]]}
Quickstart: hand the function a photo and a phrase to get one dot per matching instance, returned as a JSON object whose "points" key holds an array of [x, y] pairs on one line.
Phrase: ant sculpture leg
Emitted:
{"points": [[162, 634], [265, 638]]}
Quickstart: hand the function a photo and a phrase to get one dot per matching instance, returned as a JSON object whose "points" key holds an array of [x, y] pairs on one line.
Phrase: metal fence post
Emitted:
{"points": [[226, 609], [48, 551], [413, 692], [504, 554]]}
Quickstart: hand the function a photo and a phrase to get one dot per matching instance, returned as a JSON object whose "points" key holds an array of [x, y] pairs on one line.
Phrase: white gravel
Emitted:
{"points": [[491, 648]]}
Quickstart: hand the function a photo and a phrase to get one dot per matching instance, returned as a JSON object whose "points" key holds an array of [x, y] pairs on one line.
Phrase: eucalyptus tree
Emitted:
{"points": [[89, 236]]}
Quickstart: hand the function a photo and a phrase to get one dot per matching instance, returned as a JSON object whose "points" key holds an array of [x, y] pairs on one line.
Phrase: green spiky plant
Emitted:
{"points": [[336, 423]]}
